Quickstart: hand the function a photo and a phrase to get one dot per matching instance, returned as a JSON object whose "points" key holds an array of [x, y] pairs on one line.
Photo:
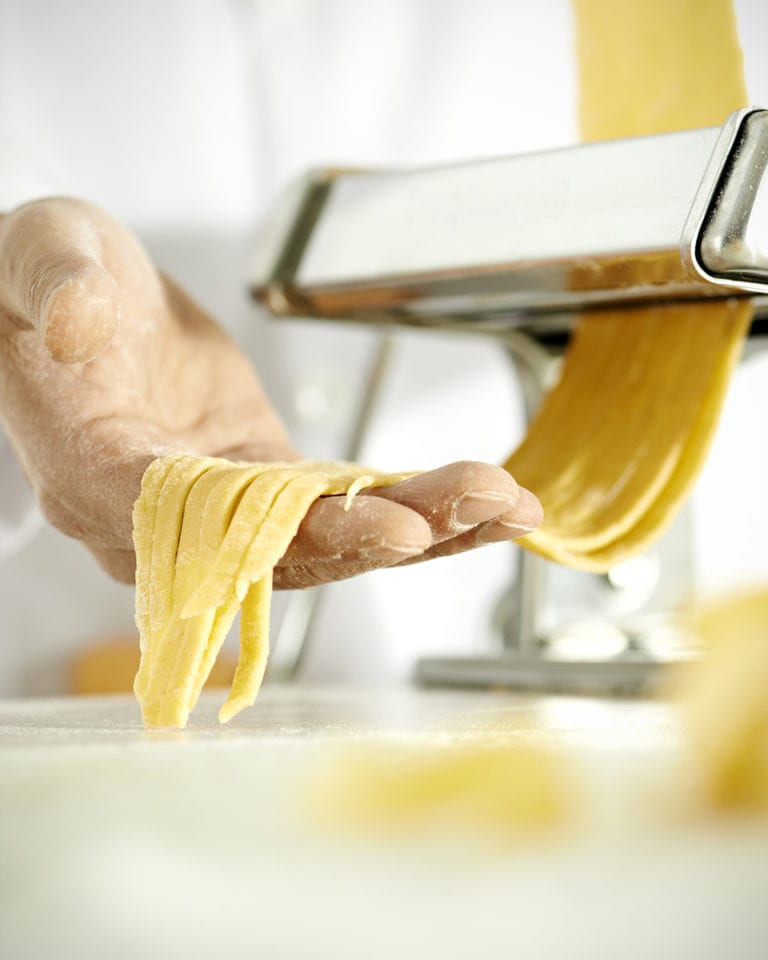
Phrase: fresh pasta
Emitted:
{"points": [[618, 443], [612, 453], [207, 534]]}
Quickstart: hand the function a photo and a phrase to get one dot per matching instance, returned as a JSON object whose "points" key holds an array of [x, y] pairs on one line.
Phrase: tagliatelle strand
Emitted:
{"points": [[207, 534]]}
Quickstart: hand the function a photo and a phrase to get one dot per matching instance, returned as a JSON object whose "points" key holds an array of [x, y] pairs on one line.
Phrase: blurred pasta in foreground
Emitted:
{"points": [[724, 700]]}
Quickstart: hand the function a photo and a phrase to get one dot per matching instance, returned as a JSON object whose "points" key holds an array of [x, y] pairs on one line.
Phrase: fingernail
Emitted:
{"points": [[524, 517], [389, 552], [500, 531], [474, 508]]}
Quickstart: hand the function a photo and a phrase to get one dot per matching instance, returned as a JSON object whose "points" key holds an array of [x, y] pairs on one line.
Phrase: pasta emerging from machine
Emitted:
{"points": [[612, 453]]}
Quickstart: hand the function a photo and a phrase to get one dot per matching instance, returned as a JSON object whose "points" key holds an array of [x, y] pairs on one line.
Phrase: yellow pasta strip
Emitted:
{"points": [[254, 648], [688, 445], [207, 535], [273, 509], [144, 519], [614, 480], [170, 514], [211, 626], [656, 66], [255, 506], [662, 512], [159, 567], [200, 636], [189, 545], [651, 67], [169, 695], [618, 443], [166, 693], [280, 527], [214, 626]]}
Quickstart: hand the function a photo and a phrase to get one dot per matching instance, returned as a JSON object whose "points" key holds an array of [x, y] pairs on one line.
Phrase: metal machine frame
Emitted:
{"points": [[515, 248]]}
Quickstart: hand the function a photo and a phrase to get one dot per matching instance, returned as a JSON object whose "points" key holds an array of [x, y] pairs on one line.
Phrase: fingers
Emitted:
{"points": [[52, 278], [467, 505], [456, 498], [526, 515], [446, 511], [440, 513]]}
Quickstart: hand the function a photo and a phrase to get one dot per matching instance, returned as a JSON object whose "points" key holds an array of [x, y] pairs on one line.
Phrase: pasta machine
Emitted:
{"points": [[516, 247]]}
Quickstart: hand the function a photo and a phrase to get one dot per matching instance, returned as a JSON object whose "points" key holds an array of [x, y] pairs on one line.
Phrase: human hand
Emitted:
{"points": [[105, 365]]}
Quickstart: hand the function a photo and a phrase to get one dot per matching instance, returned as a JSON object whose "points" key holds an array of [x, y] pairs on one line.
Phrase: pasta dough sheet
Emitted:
{"points": [[618, 443], [207, 534], [656, 66]]}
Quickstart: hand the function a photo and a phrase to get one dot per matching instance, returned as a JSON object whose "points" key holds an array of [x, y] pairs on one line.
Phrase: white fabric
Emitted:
{"points": [[184, 118]]}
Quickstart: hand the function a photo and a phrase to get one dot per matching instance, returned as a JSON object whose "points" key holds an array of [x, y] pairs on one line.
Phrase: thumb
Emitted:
{"points": [[52, 278]]}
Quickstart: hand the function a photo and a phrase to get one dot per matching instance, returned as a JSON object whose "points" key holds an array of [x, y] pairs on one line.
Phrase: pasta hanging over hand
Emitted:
{"points": [[207, 534]]}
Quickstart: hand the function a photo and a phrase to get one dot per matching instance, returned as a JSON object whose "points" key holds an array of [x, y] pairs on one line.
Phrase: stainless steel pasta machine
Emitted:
{"points": [[516, 247]]}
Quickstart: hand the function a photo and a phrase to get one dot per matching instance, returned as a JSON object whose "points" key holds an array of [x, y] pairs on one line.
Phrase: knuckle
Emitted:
{"points": [[476, 475], [44, 212], [298, 576], [472, 471], [42, 250]]}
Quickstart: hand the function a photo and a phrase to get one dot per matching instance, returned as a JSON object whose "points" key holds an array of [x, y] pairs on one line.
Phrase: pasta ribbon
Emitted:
{"points": [[618, 443], [208, 533], [612, 453]]}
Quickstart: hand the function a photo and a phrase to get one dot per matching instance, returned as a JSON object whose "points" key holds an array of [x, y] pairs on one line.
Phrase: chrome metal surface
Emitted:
{"points": [[512, 241], [525, 242], [517, 672], [727, 235], [295, 630]]}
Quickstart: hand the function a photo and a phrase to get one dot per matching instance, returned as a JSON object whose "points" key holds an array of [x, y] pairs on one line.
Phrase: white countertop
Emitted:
{"points": [[326, 713], [118, 842]]}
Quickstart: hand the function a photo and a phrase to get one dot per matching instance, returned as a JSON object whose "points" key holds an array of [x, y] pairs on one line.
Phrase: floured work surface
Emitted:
{"points": [[121, 842]]}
